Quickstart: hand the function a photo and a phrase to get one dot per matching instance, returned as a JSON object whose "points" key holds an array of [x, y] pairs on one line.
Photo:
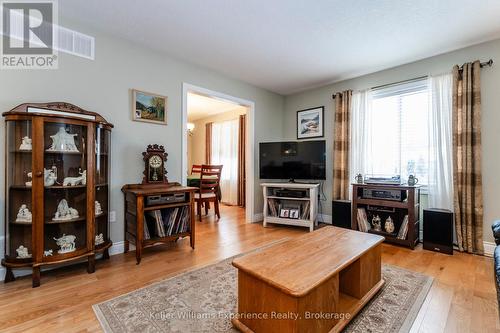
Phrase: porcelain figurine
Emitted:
{"points": [[22, 252], [97, 208], [99, 239], [25, 144], [29, 183], [73, 181], [377, 223], [412, 180], [48, 253], [49, 176], [359, 178], [65, 212], [66, 243], [389, 225], [63, 141], [24, 214]]}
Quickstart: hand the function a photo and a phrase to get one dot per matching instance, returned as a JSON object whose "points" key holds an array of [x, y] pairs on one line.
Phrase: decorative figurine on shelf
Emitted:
{"points": [[377, 223], [25, 144], [359, 178], [65, 212], [389, 225], [24, 214], [48, 253], [22, 252], [29, 183], [412, 180], [63, 141], [154, 158], [73, 181], [99, 239], [49, 176], [97, 208], [66, 243]]}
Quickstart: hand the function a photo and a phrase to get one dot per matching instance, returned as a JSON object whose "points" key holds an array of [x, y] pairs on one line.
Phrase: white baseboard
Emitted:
{"points": [[489, 248], [325, 218], [117, 248], [258, 217]]}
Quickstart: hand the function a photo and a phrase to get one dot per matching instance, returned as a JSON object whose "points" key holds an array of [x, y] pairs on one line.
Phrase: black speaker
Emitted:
{"points": [[438, 230], [341, 213]]}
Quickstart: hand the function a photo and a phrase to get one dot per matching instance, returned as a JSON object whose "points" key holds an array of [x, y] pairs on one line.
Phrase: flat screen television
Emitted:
{"points": [[303, 160]]}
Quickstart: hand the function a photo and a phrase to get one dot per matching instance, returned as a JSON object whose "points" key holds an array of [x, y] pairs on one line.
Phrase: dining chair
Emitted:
{"points": [[209, 186], [196, 168]]}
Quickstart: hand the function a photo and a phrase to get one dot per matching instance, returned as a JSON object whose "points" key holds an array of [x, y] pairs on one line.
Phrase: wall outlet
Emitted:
{"points": [[112, 216]]}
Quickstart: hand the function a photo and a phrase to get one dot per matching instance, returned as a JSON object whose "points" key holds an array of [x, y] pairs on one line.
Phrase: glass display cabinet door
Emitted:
{"points": [[19, 223], [101, 227], [65, 190]]}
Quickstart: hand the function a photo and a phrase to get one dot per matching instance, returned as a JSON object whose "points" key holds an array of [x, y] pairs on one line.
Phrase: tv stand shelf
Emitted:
{"points": [[278, 209]]}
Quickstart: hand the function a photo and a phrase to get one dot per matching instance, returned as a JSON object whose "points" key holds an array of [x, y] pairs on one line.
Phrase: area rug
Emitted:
{"points": [[203, 300]]}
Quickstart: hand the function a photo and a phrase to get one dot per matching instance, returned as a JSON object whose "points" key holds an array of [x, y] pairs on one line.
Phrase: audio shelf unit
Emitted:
{"points": [[408, 205], [301, 196]]}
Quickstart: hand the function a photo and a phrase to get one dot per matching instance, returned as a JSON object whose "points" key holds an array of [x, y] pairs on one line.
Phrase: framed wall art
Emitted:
{"points": [[148, 107], [310, 123]]}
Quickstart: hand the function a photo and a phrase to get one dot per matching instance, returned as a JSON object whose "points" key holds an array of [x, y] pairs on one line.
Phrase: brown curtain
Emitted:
{"points": [[242, 133], [341, 145], [208, 143], [467, 176]]}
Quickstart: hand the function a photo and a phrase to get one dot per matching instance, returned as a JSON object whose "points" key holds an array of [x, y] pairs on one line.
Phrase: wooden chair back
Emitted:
{"points": [[196, 168], [210, 178]]}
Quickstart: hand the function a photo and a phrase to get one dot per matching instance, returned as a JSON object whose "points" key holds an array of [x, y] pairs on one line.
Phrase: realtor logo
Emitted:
{"points": [[28, 35]]}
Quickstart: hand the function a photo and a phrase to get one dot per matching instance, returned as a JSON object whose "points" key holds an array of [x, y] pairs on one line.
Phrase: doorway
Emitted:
{"points": [[219, 131]]}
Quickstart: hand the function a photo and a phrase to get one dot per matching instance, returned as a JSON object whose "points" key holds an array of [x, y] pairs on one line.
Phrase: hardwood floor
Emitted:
{"points": [[462, 298]]}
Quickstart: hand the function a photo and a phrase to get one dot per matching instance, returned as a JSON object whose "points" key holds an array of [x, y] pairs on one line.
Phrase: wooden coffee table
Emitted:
{"points": [[314, 283]]}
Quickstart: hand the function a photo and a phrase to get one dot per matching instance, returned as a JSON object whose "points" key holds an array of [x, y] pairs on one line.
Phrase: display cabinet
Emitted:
{"points": [[57, 187]]}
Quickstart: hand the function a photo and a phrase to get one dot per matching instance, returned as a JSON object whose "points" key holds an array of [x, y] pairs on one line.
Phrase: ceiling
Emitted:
{"points": [[199, 106], [287, 46]]}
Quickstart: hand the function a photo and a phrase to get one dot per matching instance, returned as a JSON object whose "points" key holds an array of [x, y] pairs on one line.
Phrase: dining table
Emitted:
{"points": [[193, 180]]}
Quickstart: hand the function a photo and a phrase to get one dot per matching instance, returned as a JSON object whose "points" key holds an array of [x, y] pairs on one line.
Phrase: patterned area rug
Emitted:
{"points": [[203, 300]]}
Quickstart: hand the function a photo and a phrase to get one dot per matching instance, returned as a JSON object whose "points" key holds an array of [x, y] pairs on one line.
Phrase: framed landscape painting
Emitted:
{"points": [[310, 123], [149, 107]]}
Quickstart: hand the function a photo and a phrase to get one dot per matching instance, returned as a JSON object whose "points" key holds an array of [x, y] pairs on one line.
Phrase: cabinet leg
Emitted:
{"points": [[105, 254], [91, 264], [9, 275], [138, 252], [126, 247], [191, 242], [36, 277]]}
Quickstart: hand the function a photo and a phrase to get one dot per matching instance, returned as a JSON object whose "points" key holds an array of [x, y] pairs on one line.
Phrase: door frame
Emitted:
{"points": [[250, 134]]}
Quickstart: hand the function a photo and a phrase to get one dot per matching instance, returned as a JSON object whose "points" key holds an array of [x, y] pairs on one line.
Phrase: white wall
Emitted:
{"points": [[490, 82], [103, 86]]}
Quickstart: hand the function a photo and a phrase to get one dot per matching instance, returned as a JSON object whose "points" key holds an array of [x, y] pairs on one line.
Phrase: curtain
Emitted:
{"points": [[361, 131], [467, 176], [241, 160], [440, 182], [341, 145], [225, 152], [208, 143]]}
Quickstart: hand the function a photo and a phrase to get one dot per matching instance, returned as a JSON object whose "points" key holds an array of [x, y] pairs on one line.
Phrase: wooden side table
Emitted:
{"points": [[170, 205]]}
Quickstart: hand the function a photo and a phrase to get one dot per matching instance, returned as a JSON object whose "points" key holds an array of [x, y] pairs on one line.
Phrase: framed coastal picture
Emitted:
{"points": [[310, 123], [147, 107]]}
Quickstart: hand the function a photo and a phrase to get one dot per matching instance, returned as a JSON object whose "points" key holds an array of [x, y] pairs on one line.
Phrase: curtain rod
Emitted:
{"points": [[488, 63]]}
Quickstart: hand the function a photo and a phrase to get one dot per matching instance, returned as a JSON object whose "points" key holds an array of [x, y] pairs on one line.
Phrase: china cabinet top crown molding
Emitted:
{"points": [[57, 109]]}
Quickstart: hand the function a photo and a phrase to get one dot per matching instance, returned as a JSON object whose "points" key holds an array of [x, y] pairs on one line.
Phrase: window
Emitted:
{"points": [[398, 136]]}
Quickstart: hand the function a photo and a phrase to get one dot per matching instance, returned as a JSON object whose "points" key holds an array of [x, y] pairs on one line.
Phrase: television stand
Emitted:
{"points": [[293, 204]]}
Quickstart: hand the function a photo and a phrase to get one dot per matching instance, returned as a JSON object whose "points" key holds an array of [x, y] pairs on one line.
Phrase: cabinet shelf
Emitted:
{"points": [[78, 219], [20, 187], [60, 152], [61, 187]]}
